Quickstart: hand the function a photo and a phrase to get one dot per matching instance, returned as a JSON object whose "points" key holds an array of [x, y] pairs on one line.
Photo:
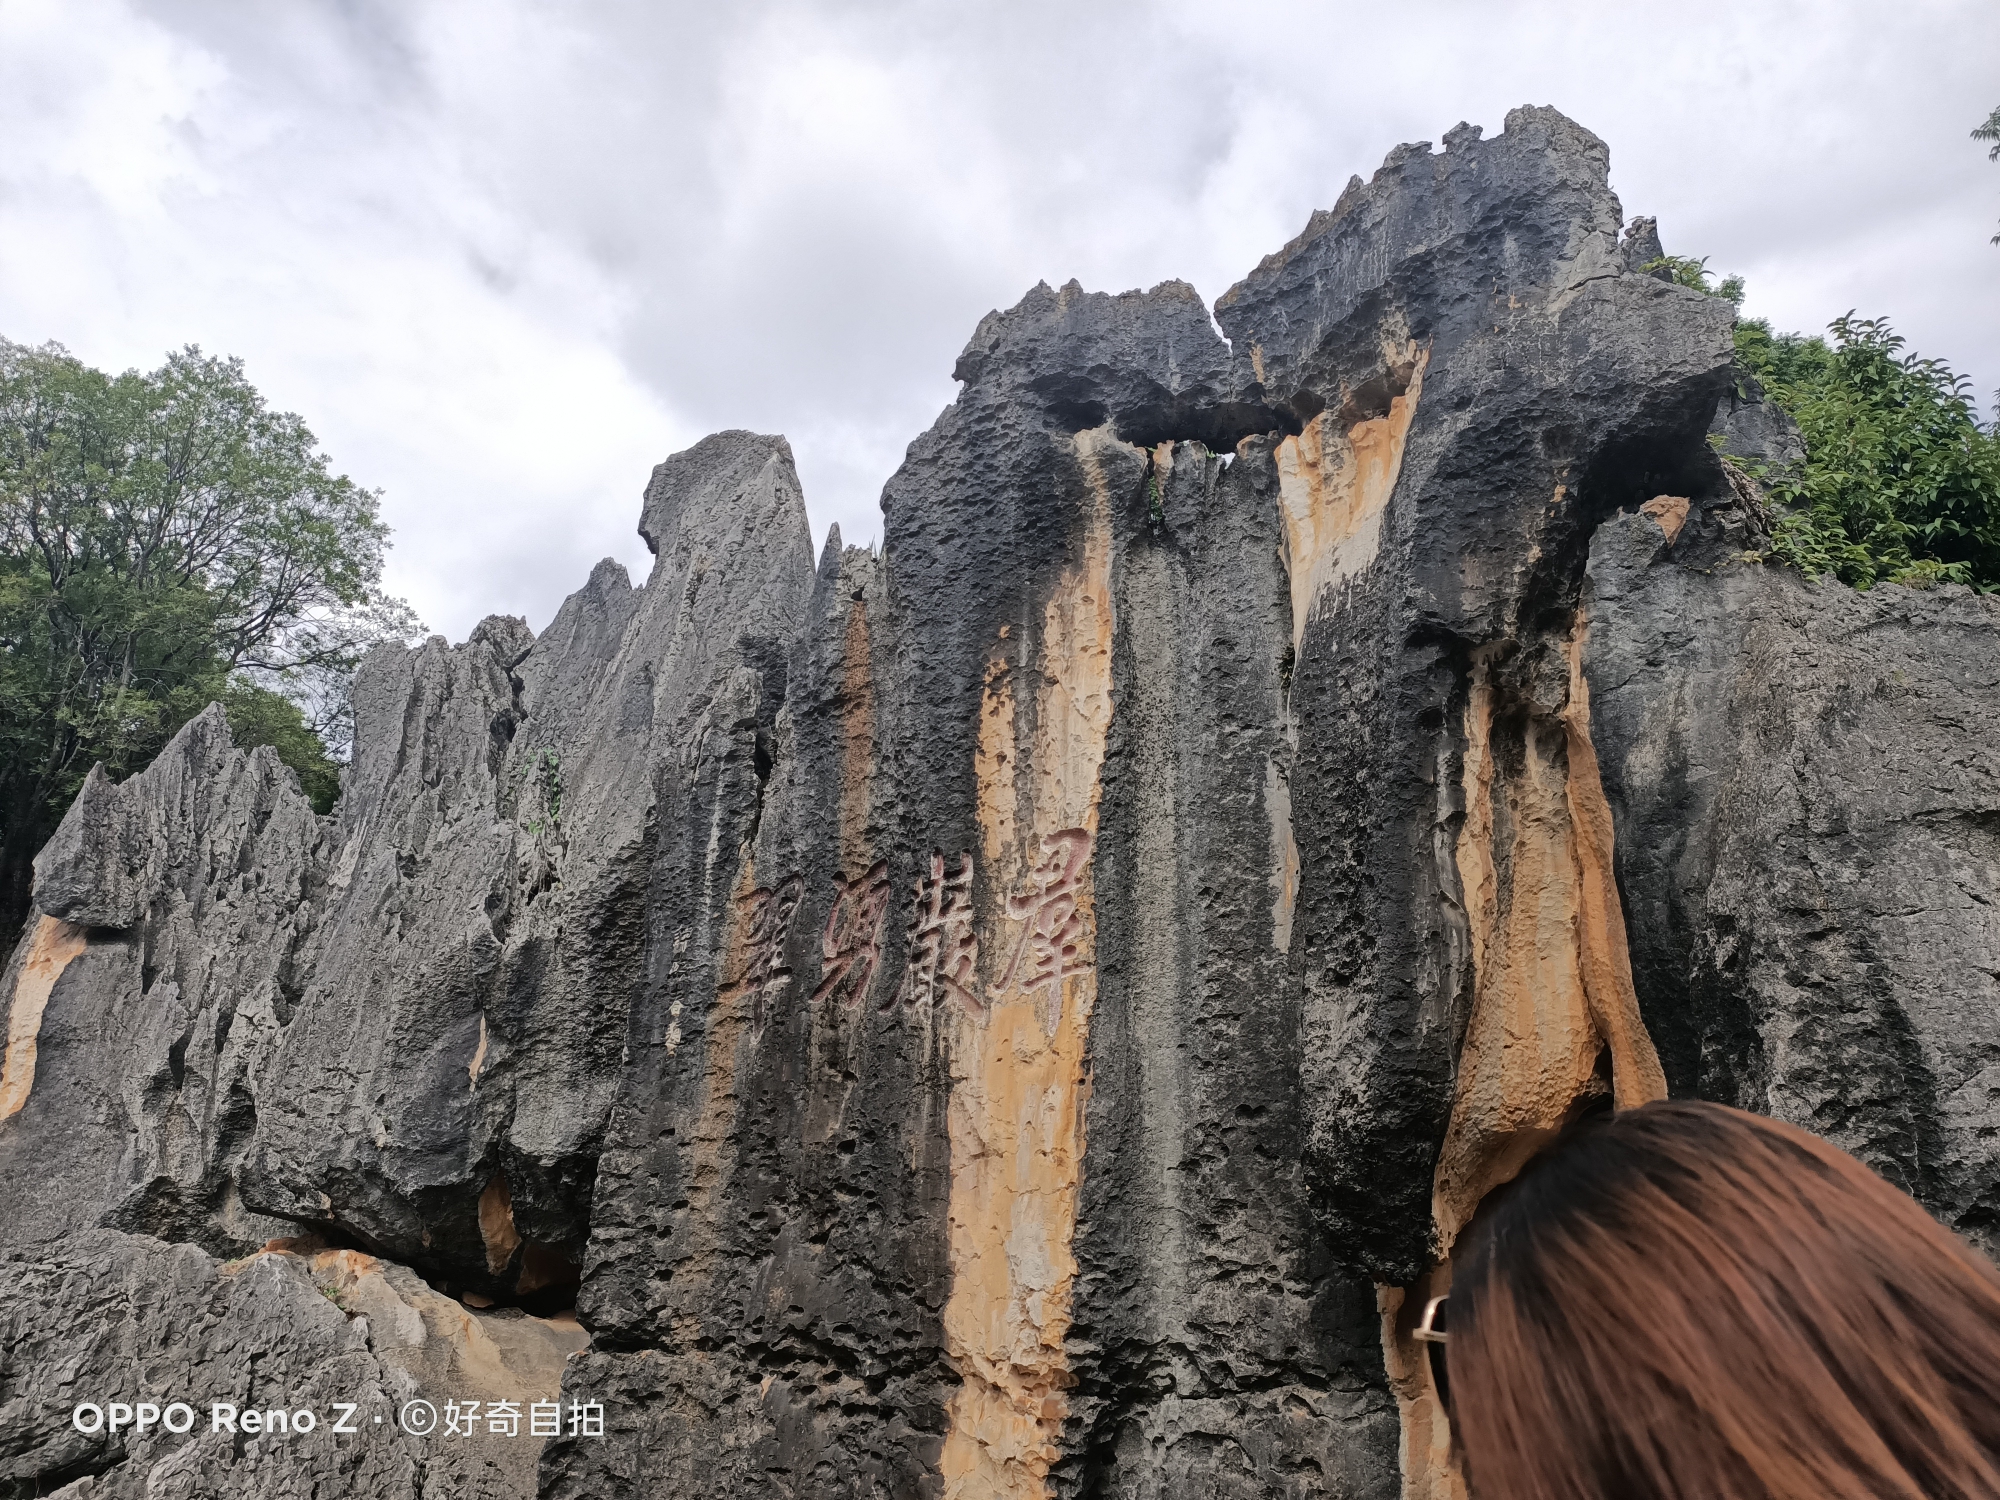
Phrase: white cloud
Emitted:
{"points": [[505, 255]]}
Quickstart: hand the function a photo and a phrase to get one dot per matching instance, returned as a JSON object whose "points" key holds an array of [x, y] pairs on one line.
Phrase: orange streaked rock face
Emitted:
{"points": [[1019, 1080], [1553, 982], [496, 1224], [1334, 481], [1021, 1010], [51, 947], [1670, 512], [1555, 1018]]}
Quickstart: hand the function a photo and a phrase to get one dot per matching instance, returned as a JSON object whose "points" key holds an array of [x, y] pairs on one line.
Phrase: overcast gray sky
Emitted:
{"points": [[504, 256]]}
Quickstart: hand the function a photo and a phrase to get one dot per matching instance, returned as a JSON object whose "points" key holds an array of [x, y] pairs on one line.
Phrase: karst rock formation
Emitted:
{"points": [[1023, 1011]]}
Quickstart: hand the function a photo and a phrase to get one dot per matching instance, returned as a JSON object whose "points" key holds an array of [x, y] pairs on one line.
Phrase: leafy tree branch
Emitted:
{"points": [[167, 540], [1901, 481]]}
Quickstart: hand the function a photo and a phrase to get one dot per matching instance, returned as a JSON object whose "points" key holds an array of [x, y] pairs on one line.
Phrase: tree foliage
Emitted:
{"points": [[166, 541], [258, 716], [1900, 482]]}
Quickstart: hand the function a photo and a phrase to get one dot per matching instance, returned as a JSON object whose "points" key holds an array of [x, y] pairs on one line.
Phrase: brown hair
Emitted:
{"points": [[1684, 1300]]}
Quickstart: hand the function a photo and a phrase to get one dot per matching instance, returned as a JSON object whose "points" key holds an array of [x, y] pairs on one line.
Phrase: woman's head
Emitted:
{"points": [[1685, 1300]]}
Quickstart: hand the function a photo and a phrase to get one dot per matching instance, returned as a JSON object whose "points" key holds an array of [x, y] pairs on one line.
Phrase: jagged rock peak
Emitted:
{"points": [[727, 484]]}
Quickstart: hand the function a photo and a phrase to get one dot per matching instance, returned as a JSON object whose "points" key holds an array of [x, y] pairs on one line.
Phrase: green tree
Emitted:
{"points": [[1900, 482], [167, 541], [1990, 131]]}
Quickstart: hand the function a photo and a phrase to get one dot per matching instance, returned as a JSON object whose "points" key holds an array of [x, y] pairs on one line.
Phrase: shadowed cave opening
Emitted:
{"points": [[551, 1277]]}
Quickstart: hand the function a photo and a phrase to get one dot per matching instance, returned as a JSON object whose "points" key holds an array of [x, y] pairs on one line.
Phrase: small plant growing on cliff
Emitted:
{"points": [[548, 791], [1900, 483], [1686, 271], [541, 778]]}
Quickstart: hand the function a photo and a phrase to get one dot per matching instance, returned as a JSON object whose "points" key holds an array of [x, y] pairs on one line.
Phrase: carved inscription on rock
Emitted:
{"points": [[943, 950], [1053, 944], [767, 916], [1049, 947], [851, 945]]}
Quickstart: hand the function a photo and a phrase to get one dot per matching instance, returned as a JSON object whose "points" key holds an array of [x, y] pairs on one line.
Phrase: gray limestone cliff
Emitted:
{"points": [[1022, 1011]]}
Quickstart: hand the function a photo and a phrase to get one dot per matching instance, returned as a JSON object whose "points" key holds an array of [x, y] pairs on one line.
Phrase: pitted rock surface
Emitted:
{"points": [[1808, 787], [1019, 1012]]}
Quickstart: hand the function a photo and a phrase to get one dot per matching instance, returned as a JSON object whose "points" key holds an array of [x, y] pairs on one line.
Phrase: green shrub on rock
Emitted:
{"points": [[1901, 482]]}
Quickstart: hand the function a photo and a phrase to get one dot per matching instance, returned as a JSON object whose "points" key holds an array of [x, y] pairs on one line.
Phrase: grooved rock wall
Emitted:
{"points": [[1807, 783], [1021, 1011]]}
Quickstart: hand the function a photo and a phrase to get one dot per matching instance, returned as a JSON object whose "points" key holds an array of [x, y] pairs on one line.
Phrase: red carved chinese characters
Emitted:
{"points": [[769, 911], [943, 952], [852, 942], [1051, 946]]}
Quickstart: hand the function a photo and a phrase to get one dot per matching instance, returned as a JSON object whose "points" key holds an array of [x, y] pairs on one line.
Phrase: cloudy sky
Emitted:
{"points": [[505, 256]]}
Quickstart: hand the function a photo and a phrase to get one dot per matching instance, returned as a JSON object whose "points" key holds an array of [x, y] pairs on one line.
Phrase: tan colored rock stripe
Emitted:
{"points": [[1636, 1074], [1019, 1088], [1552, 990], [54, 944], [1334, 483]]}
